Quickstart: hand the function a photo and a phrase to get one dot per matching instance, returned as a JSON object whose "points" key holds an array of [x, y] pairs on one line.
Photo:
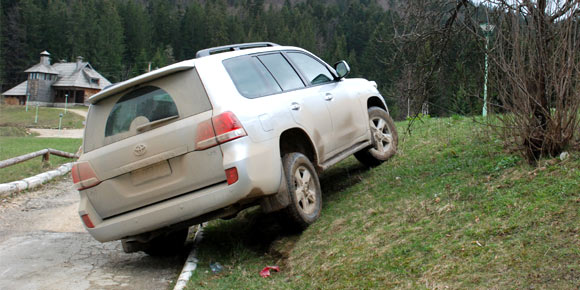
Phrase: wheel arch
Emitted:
{"points": [[297, 140], [375, 101]]}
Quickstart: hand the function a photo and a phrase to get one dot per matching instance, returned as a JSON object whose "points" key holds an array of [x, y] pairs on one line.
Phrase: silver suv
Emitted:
{"points": [[237, 126]]}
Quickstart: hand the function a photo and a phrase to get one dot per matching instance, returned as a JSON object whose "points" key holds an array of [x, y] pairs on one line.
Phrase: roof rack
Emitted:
{"points": [[232, 47]]}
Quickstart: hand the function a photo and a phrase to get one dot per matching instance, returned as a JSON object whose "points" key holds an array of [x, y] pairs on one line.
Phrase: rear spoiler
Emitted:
{"points": [[147, 77]]}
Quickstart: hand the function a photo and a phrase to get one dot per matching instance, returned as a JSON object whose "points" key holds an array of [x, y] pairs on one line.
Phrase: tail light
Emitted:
{"points": [[232, 175], [87, 220], [220, 129], [84, 176]]}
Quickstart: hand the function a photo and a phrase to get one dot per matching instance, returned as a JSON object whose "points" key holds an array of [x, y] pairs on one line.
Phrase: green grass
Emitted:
{"points": [[81, 108], [451, 209], [15, 132], [16, 146], [48, 118]]}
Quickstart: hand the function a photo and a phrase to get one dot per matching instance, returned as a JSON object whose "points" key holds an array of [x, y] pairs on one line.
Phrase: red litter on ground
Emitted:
{"points": [[266, 271]]}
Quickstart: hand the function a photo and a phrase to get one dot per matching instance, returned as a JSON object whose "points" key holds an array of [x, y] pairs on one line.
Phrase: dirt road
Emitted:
{"points": [[43, 245], [55, 133]]}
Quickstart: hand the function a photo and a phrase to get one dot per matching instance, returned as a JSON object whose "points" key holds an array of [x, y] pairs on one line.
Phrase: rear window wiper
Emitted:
{"points": [[156, 123]]}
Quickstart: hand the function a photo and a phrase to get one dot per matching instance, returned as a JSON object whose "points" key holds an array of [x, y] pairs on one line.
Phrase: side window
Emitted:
{"points": [[150, 102], [251, 77], [284, 74], [314, 71]]}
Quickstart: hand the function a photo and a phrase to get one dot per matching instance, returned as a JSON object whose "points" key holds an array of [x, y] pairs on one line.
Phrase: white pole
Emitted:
{"points": [[484, 113], [487, 29], [36, 117]]}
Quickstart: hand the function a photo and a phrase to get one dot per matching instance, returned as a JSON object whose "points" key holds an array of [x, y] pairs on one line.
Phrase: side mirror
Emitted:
{"points": [[342, 69]]}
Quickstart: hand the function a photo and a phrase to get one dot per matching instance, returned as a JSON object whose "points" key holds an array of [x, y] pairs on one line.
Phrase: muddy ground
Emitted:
{"points": [[43, 245]]}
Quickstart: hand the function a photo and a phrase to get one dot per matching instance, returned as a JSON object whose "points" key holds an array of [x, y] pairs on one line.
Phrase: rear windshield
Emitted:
{"points": [[146, 107], [149, 102]]}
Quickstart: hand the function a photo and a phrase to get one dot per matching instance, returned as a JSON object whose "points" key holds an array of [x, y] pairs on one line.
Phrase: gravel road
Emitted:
{"points": [[43, 245]]}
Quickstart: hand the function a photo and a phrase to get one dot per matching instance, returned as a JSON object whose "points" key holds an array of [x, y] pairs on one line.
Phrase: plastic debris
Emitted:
{"points": [[266, 271], [216, 267]]}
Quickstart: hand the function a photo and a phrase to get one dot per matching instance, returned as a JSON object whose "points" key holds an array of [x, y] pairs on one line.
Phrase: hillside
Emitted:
{"points": [[451, 209]]}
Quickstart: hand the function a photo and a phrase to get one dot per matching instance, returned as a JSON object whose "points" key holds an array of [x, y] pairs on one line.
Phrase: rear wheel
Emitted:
{"points": [[304, 190], [384, 139]]}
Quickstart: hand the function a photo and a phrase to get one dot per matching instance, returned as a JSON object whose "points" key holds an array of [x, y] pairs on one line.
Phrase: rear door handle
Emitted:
{"points": [[328, 97], [295, 106]]}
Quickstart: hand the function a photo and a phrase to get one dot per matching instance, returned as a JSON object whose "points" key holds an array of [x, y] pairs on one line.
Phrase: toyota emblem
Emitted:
{"points": [[140, 149]]}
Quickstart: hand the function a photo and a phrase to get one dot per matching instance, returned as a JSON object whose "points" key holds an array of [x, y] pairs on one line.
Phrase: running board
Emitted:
{"points": [[344, 154]]}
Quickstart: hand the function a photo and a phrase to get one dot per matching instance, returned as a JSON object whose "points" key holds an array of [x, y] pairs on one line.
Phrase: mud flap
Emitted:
{"points": [[278, 200]]}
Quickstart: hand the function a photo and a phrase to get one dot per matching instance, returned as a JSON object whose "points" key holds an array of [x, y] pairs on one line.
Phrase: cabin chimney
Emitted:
{"points": [[79, 61], [45, 58]]}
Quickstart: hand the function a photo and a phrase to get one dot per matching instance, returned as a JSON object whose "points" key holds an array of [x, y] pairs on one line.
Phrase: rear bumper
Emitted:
{"points": [[259, 173]]}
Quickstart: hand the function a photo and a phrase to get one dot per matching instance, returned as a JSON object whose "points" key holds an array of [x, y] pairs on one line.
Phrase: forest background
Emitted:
{"points": [[420, 61]]}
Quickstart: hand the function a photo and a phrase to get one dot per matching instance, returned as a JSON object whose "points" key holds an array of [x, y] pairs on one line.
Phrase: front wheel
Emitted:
{"points": [[384, 139], [304, 190]]}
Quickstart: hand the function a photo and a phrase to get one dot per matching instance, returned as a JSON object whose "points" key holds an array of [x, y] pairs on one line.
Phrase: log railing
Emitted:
{"points": [[45, 156]]}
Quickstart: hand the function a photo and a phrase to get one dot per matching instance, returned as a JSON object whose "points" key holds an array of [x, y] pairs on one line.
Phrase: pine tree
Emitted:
{"points": [[77, 35], [192, 32], [163, 23], [52, 30], [14, 45], [137, 37], [1, 49], [215, 19], [109, 44]]}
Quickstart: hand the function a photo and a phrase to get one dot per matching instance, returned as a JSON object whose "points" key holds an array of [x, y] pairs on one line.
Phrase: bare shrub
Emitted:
{"points": [[536, 69]]}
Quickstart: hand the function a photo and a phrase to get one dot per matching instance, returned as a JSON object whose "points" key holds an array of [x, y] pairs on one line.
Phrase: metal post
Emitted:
{"points": [[65, 102], [487, 29], [36, 117], [484, 112], [27, 99], [60, 121]]}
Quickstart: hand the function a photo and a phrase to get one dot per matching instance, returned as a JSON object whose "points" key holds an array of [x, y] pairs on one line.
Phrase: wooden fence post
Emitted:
{"points": [[46, 159]]}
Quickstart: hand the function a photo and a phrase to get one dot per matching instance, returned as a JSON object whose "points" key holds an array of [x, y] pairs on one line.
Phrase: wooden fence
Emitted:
{"points": [[45, 153]]}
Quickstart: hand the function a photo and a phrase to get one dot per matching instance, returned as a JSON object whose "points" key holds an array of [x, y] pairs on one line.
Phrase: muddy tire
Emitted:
{"points": [[384, 139], [304, 191]]}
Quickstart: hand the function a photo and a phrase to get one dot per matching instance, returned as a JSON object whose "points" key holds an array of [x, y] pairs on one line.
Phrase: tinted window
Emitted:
{"points": [[284, 74], [314, 71], [251, 77], [150, 102]]}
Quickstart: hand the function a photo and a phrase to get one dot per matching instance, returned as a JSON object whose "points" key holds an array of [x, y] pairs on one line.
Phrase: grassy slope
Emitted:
{"points": [[15, 146], [48, 118], [451, 209]]}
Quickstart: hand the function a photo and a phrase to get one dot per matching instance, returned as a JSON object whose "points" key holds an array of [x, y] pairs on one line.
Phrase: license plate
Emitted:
{"points": [[150, 172]]}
